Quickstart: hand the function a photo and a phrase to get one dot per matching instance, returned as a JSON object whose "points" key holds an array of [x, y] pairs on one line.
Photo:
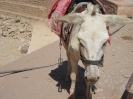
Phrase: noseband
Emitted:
{"points": [[93, 62]]}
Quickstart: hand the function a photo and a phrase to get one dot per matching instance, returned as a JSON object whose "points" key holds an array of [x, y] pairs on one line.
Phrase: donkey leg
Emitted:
{"points": [[65, 44], [74, 72], [67, 79]]}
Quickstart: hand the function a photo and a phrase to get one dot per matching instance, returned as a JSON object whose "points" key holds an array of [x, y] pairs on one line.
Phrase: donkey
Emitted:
{"points": [[87, 42]]}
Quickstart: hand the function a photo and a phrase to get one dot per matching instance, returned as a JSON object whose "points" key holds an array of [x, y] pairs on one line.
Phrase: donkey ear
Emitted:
{"points": [[116, 20], [76, 18]]}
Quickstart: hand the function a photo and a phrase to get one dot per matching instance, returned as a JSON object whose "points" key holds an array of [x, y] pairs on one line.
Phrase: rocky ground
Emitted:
{"points": [[15, 37]]}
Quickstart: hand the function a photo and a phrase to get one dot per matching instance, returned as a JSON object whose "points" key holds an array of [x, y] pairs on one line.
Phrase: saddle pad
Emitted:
{"points": [[58, 10]]}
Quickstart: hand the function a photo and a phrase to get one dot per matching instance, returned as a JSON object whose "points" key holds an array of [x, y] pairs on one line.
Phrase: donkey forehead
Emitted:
{"points": [[90, 36], [93, 42], [93, 39], [93, 31]]}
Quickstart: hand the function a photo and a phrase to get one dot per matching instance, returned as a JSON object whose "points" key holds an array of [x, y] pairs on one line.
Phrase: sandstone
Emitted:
{"points": [[118, 7]]}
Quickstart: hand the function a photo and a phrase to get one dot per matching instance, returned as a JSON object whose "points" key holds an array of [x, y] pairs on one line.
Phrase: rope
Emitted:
{"points": [[26, 69], [116, 30]]}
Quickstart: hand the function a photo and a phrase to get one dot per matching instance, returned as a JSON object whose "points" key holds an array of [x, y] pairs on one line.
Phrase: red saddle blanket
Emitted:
{"points": [[58, 10]]}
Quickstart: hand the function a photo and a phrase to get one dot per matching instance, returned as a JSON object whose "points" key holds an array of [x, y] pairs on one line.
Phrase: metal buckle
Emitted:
{"points": [[60, 61]]}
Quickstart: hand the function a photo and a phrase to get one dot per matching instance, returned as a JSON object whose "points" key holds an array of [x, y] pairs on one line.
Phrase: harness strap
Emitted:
{"points": [[93, 62], [108, 28]]}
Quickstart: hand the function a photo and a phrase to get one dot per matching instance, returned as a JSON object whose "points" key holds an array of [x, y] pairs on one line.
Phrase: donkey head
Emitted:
{"points": [[92, 37]]}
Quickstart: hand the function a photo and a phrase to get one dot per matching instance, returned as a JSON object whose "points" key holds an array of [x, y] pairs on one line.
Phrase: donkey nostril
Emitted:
{"points": [[92, 80]]}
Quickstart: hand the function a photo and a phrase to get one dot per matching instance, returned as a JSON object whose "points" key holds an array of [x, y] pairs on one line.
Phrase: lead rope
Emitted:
{"points": [[60, 62]]}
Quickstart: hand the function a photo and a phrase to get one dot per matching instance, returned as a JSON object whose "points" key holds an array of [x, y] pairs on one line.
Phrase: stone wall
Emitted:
{"points": [[119, 7], [110, 7]]}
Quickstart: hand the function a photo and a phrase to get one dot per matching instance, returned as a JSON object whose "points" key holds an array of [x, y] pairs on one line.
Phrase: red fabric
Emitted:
{"points": [[58, 10], [53, 8]]}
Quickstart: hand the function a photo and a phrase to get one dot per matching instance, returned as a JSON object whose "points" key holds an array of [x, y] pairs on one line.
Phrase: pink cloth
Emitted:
{"points": [[59, 11]]}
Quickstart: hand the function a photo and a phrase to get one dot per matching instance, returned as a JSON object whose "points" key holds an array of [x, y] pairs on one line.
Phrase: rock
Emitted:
{"points": [[21, 30], [11, 34], [24, 49], [5, 34]]}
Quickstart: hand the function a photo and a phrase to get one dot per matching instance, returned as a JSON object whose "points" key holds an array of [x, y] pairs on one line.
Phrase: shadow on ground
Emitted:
{"points": [[59, 75]]}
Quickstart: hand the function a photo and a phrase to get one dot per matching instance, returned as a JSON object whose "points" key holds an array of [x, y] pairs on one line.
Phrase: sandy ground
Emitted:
{"points": [[9, 50], [41, 36], [10, 47]]}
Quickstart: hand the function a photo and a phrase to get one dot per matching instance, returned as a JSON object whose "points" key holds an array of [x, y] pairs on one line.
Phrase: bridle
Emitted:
{"points": [[93, 62]]}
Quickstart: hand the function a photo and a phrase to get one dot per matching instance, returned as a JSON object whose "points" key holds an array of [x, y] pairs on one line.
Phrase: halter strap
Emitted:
{"points": [[93, 62]]}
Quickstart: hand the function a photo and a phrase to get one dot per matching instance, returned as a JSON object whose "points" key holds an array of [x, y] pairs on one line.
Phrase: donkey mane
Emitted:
{"points": [[94, 10]]}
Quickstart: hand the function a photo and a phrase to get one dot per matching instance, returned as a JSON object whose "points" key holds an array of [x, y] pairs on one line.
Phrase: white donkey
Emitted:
{"points": [[87, 42]]}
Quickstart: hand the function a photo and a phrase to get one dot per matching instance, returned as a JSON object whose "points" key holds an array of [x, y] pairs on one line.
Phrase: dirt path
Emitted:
{"points": [[9, 50]]}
